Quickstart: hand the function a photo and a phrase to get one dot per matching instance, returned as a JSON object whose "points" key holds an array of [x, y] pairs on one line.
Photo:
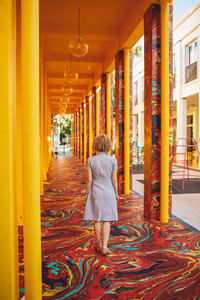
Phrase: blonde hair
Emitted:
{"points": [[102, 143]]}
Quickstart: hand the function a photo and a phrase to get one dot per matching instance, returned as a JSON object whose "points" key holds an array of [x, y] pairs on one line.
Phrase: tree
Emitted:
{"points": [[64, 122]]}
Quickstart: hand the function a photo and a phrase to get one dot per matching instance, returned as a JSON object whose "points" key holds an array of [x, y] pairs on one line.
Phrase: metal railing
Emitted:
{"points": [[191, 72]]}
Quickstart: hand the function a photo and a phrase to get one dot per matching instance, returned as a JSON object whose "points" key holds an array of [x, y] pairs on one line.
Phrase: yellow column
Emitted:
{"points": [[126, 124], [45, 122], [97, 112], [85, 137], [30, 134], [81, 144], [108, 103], [18, 159], [53, 134], [8, 250], [90, 126], [72, 137], [164, 193]]}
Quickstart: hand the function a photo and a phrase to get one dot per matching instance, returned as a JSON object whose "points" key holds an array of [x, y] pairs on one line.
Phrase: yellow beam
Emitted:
{"points": [[31, 161], [126, 124], [90, 126], [164, 193], [85, 137]]}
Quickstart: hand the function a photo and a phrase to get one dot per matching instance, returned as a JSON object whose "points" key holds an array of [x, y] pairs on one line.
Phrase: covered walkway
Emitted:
{"points": [[148, 259]]}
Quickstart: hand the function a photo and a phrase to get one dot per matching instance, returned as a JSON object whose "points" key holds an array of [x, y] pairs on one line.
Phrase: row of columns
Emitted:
{"points": [[157, 114], [26, 113]]}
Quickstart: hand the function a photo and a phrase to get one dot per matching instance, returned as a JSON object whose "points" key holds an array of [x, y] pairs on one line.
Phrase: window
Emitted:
{"points": [[191, 62], [191, 53], [142, 88], [135, 92]]}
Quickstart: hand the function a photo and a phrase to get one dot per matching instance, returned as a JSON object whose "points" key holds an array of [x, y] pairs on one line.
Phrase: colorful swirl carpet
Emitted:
{"points": [[148, 260]]}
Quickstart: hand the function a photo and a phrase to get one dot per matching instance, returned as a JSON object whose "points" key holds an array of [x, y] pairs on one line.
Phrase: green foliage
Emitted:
{"points": [[137, 51], [64, 122]]}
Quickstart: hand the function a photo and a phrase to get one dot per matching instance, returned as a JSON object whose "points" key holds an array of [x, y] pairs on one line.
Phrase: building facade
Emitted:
{"points": [[186, 92]]}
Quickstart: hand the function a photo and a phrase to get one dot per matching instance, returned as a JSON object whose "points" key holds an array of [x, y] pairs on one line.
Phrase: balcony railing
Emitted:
{"points": [[191, 72]]}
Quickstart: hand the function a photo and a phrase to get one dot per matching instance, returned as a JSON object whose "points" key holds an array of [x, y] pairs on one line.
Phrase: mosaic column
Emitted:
{"points": [[119, 116], [87, 127], [75, 135], [82, 131], [103, 103], [93, 114], [152, 111], [112, 83], [78, 141]]}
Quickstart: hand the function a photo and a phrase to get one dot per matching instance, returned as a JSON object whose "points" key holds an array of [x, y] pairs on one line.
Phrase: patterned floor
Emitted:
{"points": [[148, 261]]}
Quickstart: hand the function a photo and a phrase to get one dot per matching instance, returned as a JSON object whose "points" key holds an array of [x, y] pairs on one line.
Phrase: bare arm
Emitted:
{"points": [[114, 181], [89, 180]]}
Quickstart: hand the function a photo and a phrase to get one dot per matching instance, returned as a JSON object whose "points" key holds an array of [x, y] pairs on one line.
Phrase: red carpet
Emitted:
{"points": [[148, 260]]}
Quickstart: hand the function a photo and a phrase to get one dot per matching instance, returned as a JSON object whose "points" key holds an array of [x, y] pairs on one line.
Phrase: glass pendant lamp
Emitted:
{"points": [[69, 75], [67, 90], [78, 45]]}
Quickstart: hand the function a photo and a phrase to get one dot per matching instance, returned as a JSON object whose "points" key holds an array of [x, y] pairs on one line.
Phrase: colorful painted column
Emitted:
{"points": [[152, 113], [72, 137], [85, 135], [78, 134], [103, 103], [112, 83], [75, 135], [87, 127], [90, 126], [82, 131], [97, 111], [123, 119], [93, 114]]}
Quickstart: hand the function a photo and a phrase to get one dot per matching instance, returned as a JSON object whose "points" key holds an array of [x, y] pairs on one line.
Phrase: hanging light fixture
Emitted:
{"points": [[77, 44], [65, 99], [69, 75], [67, 90]]}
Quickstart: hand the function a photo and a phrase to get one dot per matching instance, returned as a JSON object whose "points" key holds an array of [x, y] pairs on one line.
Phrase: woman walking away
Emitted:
{"points": [[102, 193]]}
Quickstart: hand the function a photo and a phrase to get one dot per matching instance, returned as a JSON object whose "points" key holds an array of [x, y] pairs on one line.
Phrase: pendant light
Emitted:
{"points": [[69, 75], [77, 44], [67, 90]]}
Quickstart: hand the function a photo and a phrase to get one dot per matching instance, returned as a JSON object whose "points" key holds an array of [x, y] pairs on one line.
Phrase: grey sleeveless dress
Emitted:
{"points": [[101, 203]]}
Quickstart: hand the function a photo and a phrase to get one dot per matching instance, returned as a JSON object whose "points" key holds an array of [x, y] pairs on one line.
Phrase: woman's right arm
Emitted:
{"points": [[114, 181]]}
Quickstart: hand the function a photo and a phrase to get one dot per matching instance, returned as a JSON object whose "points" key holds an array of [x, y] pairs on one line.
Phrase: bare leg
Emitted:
{"points": [[97, 230], [106, 233]]}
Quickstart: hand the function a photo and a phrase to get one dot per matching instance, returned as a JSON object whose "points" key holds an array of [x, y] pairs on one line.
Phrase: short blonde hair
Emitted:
{"points": [[102, 143]]}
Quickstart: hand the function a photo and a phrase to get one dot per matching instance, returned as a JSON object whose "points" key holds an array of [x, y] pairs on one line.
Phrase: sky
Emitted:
{"points": [[180, 7]]}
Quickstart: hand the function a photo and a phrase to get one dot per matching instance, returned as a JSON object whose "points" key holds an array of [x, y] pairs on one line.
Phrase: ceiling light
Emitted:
{"points": [[67, 90], [69, 75], [77, 44]]}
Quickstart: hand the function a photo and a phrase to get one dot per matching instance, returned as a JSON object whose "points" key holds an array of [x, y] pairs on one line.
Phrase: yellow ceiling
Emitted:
{"points": [[108, 25]]}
